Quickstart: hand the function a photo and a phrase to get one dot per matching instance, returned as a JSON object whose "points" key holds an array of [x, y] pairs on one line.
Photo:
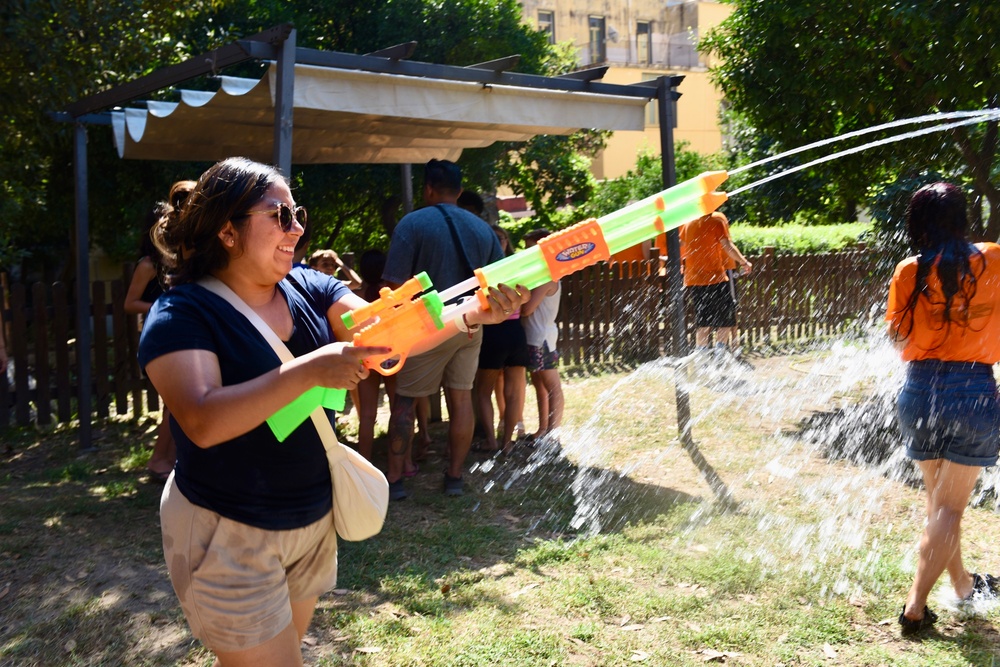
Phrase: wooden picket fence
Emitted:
{"points": [[614, 313], [609, 314]]}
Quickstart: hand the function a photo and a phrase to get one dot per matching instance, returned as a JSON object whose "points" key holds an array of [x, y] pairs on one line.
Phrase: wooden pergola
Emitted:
{"points": [[487, 103]]}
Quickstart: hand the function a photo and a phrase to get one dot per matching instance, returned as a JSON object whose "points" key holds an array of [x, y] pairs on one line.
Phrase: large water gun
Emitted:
{"points": [[400, 321]]}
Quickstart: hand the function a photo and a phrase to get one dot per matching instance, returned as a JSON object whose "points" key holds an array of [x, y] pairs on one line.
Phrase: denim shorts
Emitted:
{"points": [[950, 410]]}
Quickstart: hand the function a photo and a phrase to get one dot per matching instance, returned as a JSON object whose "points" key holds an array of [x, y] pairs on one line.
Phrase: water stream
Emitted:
{"points": [[837, 402]]}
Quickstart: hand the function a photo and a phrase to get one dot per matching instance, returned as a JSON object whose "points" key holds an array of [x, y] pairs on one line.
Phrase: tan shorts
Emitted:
{"points": [[452, 364], [235, 582]]}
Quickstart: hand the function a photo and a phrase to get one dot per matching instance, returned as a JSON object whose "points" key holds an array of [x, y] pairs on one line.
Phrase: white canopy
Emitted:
{"points": [[350, 116]]}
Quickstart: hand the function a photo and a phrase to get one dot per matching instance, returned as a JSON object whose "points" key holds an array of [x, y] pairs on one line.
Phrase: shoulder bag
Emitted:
{"points": [[360, 490]]}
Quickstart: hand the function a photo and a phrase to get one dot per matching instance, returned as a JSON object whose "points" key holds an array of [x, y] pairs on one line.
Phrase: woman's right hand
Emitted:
{"points": [[341, 365]]}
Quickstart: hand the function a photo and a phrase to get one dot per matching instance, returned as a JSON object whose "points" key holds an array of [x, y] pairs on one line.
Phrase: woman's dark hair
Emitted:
{"points": [[471, 202], [190, 245], [146, 246], [166, 212], [936, 223]]}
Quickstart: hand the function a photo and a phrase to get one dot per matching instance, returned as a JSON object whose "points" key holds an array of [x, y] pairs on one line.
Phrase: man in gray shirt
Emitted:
{"points": [[448, 243]]}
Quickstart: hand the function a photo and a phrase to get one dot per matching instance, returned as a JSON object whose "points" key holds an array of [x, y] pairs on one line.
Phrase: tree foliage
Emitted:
{"points": [[802, 70], [58, 51], [646, 179]]}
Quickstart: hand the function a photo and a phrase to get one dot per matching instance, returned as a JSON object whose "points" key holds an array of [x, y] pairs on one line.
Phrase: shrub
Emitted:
{"points": [[798, 239]]}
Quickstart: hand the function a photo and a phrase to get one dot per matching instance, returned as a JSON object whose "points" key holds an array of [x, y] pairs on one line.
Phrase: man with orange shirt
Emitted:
{"points": [[707, 250]]}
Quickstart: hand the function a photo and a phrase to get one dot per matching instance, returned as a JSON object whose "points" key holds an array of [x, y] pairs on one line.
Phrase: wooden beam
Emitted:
{"points": [[397, 52], [498, 65], [589, 74]]}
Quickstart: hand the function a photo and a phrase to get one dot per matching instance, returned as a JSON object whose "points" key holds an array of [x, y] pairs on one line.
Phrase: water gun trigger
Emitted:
{"points": [[386, 364]]}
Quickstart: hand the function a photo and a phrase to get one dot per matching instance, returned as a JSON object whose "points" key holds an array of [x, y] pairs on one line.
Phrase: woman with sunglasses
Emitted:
{"points": [[944, 317], [247, 520]]}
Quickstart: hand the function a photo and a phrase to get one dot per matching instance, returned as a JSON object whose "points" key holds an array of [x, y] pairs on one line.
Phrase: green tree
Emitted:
{"points": [[49, 61], [803, 70], [51, 54], [646, 179]]}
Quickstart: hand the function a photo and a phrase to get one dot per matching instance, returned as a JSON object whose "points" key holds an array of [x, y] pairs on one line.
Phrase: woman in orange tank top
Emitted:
{"points": [[944, 317]]}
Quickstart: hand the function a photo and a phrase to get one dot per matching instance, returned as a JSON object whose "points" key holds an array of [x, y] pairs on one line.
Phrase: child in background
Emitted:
{"points": [[539, 319]]}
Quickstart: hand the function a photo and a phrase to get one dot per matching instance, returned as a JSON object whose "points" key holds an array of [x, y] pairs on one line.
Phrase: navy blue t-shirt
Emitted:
{"points": [[253, 479]]}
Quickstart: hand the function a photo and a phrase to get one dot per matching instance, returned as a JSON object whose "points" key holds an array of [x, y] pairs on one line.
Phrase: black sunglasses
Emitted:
{"points": [[285, 214]]}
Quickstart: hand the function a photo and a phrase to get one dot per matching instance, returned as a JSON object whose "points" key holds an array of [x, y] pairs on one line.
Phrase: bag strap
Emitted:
{"points": [[456, 240], [318, 416]]}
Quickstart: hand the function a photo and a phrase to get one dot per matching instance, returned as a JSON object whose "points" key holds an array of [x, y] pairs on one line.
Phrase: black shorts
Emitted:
{"points": [[504, 345], [714, 305]]}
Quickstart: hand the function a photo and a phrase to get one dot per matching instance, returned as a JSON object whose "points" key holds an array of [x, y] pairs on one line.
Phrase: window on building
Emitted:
{"points": [[547, 24], [652, 112], [598, 41], [643, 43]]}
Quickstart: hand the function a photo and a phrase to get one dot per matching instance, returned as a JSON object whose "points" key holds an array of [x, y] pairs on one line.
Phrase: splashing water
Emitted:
{"points": [[841, 508], [847, 392]]}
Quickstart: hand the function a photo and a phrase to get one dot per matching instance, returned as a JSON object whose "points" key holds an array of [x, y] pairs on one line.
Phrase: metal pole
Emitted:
{"points": [[83, 308], [406, 184], [666, 98], [284, 102]]}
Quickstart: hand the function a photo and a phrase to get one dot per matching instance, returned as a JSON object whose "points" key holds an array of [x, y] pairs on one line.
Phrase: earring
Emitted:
{"points": [[230, 242]]}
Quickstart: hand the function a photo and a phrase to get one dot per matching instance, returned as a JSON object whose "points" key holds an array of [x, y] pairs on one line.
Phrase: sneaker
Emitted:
{"points": [[984, 587], [397, 491], [452, 485], [909, 627], [519, 431]]}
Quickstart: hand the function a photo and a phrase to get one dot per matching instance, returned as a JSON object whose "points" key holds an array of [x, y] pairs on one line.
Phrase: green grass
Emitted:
{"points": [[507, 576]]}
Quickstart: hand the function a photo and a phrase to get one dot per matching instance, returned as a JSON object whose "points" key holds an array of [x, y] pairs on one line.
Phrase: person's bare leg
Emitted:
{"points": [[460, 425], [486, 379], [164, 455], [725, 336], [423, 440], [702, 336], [557, 402], [542, 400], [514, 387], [368, 395], [400, 436], [302, 613], [501, 398], [283, 650], [949, 486]]}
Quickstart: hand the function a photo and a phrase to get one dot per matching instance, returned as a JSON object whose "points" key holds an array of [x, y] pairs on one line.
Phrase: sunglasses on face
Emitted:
{"points": [[286, 215]]}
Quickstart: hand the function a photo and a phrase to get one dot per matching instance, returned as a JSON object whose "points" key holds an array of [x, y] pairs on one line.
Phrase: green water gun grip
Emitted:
{"points": [[290, 417]]}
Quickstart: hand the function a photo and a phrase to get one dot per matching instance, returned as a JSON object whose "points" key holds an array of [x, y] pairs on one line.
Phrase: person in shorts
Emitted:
{"points": [[539, 319], [246, 519], [707, 252], [448, 243], [944, 317]]}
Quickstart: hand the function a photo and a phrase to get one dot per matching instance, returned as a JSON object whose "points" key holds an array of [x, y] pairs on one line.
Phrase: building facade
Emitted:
{"points": [[641, 40]]}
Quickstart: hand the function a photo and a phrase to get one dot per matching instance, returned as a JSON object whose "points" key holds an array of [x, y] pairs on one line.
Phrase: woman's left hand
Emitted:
{"points": [[503, 301]]}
